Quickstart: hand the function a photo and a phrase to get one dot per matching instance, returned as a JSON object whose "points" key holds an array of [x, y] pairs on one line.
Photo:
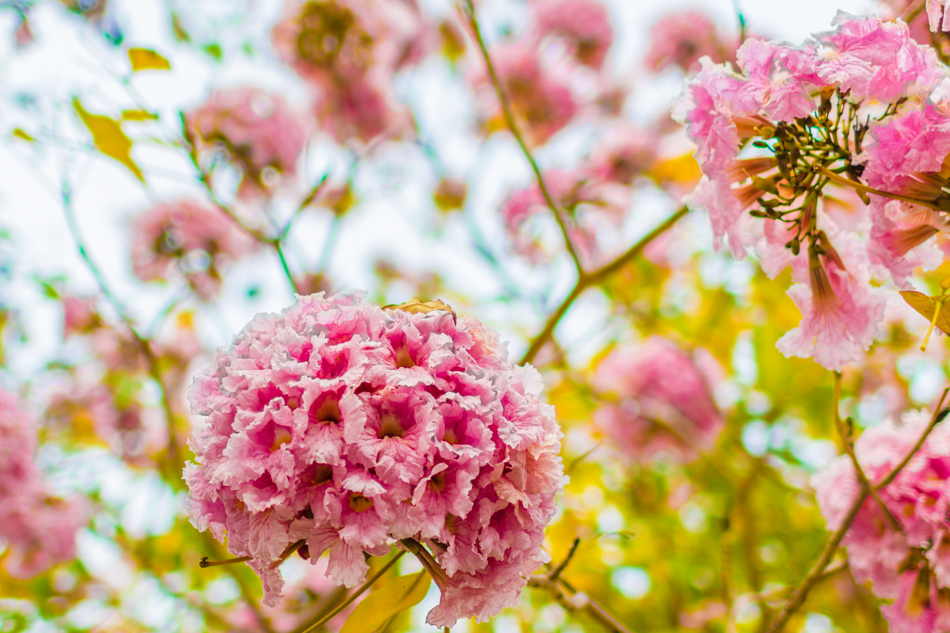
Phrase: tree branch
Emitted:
{"points": [[519, 137]]}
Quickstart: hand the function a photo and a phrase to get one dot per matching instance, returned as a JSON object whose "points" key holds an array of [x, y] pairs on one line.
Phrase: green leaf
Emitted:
{"points": [[147, 59], [108, 137], [401, 594], [213, 50]]}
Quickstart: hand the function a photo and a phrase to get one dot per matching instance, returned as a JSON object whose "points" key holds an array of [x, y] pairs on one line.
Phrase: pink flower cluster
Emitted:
{"points": [[659, 401], [905, 551], [598, 192], [198, 240], [546, 73], [259, 131], [39, 529], [341, 426], [349, 51], [785, 97]]}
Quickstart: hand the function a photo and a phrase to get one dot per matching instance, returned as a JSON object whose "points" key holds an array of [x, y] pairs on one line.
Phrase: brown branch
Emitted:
{"points": [[847, 438], [212, 545], [818, 569], [864, 490], [564, 594], [519, 137], [595, 277]]}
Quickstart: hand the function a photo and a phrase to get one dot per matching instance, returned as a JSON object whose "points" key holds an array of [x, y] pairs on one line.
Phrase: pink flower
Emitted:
{"points": [[583, 25], [79, 315], [712, 106], [840, 311], [624, 152], [539, 94], [660, 402], [874, 60], [351, 429], [349, 51], [680, 39], [906, 156], [259, 131], [919, 606], [198, 240], [938, 15], [776, 81], [903, 552], [39, 528]]}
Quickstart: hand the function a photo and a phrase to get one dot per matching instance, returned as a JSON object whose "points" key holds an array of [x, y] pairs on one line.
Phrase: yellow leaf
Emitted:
{"points": [[927, 306], [108, 137], [20, 134], [401, 594], [147, 59], [138, 115]]}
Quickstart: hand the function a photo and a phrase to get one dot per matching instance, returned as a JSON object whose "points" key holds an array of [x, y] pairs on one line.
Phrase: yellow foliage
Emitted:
{"points": [[390, 600], [147, 59], [108, 137]]}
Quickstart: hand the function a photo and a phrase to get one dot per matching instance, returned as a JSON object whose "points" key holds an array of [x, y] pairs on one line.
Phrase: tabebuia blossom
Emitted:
{"points": [[682, 38], [340, 426], [658, 400], [583, 26], [259, 132], [902, 548], [539, 94], [797, 129], [198, 240], [348, 52], [38, 528]]}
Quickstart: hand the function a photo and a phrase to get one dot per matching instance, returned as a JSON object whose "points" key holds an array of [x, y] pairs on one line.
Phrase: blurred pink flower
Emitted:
{"points": [[583, 25], [39, 528], [680, 39], [349, 51], [259, 131], [351, 428], [198, 240], [660, 401], [539, 94]]}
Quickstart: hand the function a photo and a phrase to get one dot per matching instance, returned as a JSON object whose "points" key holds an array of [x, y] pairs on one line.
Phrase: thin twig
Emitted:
{"points": [[848, 440], [818, 569], [515, 129], [556, 572], [174, 453], [864, 490], [212, 545], [595, 277], [938, 415]]}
